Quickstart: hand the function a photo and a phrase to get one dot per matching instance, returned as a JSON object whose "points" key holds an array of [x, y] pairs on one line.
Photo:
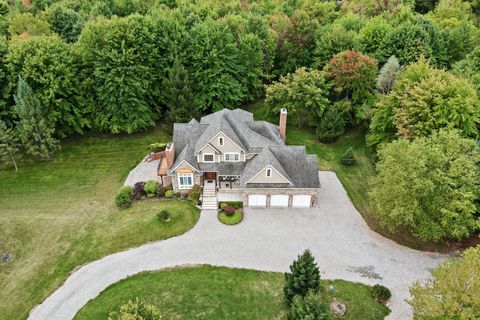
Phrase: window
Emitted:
{"points": [[185, 180], [208, 157], [220, 141], [269, 173], [231, 157]]}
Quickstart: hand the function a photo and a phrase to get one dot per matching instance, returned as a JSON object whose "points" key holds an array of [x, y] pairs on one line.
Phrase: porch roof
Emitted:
{"points": [[223, 168]]}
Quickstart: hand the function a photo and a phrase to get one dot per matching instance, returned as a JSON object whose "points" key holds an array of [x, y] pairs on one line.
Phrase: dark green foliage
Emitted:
{"points": [[330, 126], [151, 188], [163, 216], [123, 198], [4, 9], [424, 6], [157, 147], [34, 129], [470, 68], [311, 307], [9, 145], [235, 204], [348, 158], [178, 95], [304, 276], [381, 293], [194, 197], [65, 22]]}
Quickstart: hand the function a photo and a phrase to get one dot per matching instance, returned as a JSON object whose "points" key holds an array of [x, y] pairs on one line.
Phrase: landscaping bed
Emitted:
{"points": [[231, 212], [207, 292]]}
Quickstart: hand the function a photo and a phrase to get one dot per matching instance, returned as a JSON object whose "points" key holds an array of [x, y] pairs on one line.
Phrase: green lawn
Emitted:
{"points": [[58, 215], [356, 179], [230, 220], [207, 292]]}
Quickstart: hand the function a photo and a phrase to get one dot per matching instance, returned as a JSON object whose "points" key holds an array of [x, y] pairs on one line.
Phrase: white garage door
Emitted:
{"points": [[301, 201], [257, 200], [279, 200]]}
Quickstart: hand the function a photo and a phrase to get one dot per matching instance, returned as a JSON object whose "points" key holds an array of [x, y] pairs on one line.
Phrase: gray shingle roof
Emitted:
{"points": [[256, 137]]}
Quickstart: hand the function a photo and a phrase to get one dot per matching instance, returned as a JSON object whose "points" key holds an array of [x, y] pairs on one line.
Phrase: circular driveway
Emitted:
{"points": [[269, 240]]}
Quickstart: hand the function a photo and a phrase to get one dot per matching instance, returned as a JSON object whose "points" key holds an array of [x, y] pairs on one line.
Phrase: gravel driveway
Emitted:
{"points": [[267, 239]]}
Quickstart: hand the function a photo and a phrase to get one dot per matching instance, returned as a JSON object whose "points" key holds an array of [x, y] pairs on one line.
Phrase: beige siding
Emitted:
{"points": [[228, 145], [196, 179], [261, 177], [207, 149]]}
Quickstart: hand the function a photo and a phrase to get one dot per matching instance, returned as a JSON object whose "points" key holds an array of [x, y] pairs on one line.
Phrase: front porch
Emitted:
{"points": [[221, 187]]}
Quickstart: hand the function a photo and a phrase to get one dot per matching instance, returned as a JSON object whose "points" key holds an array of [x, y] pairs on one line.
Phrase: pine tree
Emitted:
{"points": [[348, 159], [330, 126], [9, 145], [34, 131], [311, 307], [304, 276], [178, 95]]}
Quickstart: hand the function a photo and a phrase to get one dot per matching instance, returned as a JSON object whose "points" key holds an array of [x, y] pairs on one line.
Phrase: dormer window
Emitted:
{"points": [[268, 173], [208, 157], [220, 141]]}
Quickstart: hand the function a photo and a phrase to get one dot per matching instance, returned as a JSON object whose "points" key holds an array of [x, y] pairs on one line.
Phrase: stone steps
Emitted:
{"points": [[209, 202]]}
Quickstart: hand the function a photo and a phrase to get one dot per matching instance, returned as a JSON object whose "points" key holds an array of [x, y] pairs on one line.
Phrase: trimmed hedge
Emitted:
{"points": [[151, 188], [236, 204]]}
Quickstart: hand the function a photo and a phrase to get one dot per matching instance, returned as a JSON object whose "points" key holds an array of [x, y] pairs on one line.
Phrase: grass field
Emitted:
{"points": [[57, 215], [213, 293]]}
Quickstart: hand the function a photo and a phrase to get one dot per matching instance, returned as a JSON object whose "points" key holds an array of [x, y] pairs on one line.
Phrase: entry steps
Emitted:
{"points": [[209, 199]]}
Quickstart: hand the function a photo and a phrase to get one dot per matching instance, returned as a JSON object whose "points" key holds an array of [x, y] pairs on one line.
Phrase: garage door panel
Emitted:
{"points": [[301, 201], [279, 200], [257, 200]]}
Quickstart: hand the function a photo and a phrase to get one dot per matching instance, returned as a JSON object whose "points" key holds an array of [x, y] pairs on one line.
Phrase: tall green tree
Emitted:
{"points": [[178, 95], [9, 145], [215, 68], [34, 130], [428, 186], [311, 307], [425, 99], [49, 65], [453, 291], [65, 22], [470, 68], [303, 93], [119, 56], [303, 277]]}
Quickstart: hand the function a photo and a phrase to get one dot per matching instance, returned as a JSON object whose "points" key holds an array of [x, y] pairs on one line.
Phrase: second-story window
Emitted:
{"points": [[208, 157], [231, 156], [220, 141]]}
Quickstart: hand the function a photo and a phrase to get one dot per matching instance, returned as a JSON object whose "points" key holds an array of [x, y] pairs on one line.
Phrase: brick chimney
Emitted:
{"points": [[170, 154], [283, 124]]}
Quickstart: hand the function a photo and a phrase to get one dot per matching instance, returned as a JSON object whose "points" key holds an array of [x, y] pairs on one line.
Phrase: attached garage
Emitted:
{"points": [[301, 201], [257, 200], [279, 200]]}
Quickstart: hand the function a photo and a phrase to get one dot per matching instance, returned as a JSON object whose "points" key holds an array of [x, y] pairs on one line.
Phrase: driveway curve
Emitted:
{"points": [[267, 240]]}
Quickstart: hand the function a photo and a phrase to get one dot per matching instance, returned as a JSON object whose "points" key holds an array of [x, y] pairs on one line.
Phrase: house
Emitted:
{"points": [[235, 158]]}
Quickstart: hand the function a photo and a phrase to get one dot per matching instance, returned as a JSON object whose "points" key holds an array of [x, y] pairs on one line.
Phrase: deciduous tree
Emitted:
{"points": [[428, 186], [9, 145]]}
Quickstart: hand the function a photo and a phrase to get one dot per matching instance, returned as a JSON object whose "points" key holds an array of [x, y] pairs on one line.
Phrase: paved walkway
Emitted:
{"points": [[267, 239], [144, 171]]}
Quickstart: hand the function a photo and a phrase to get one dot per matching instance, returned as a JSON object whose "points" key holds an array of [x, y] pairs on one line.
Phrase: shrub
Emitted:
{"points": [[169, 194], [304, 276], [194, 198], [196, 189], [223, 205], [157, 147], [137, 309], [161, 191], [330, 126], [348, 159], [311, 307], [151, 188], [178, 194], [235, 204], [229, 210], [138, 190], [381, 293], [163, 216], [124, 197]]}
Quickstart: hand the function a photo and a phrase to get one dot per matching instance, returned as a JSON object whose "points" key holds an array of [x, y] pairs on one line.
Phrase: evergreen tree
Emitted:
{"points": [[304, 276], [330, 126], [348, 159], [35, 132], [311, 307], [9, 145], [178, 94]]}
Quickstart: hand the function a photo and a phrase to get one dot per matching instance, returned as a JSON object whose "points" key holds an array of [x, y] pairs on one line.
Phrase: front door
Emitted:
{"points": [[209, 180]]}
